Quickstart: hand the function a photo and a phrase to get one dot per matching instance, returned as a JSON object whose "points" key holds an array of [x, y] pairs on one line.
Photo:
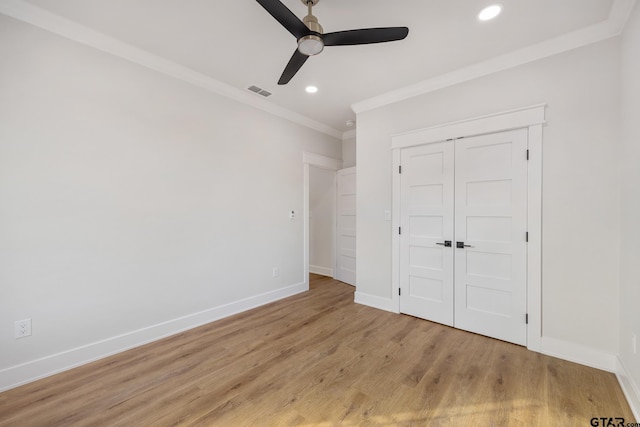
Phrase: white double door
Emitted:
{"points": [[463, 235]]}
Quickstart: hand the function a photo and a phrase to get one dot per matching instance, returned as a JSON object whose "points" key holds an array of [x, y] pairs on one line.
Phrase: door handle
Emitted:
{"points": [[446, 244], [461, 245]]}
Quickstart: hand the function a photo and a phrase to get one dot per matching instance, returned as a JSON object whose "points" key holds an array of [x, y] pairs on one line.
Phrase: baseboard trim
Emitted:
{"points": [[374, 301], [323, 271], [18, 375], [630, 389], [578, 353]]}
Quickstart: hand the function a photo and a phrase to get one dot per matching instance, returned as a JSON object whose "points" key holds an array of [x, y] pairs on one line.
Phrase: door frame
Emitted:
{"points": [[322, 162], [531, 118]]}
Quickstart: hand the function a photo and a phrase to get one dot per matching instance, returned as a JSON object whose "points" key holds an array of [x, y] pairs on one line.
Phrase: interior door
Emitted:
{"points": [[427, 203], [346, 226], [470, 193], [491, 225]]}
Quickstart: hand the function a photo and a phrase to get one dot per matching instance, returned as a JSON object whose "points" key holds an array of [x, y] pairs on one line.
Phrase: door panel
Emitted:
{"points": [[346, 227], [426, 270], [490, 217]]}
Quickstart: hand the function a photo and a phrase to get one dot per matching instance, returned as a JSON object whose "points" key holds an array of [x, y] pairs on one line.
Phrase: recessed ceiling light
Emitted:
{"points": [[311, 89], [490, 12]]}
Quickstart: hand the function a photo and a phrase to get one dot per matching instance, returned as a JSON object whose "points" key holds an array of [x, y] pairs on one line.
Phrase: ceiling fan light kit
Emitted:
{"points": [[310, 45], [312, 40]]}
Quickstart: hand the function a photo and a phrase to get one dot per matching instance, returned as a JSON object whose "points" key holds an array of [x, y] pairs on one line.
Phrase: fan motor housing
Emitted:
{"points": [[312, 22]]}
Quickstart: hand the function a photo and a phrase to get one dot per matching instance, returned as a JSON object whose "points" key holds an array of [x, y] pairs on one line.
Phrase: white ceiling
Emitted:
{"points": [[238, 43]]}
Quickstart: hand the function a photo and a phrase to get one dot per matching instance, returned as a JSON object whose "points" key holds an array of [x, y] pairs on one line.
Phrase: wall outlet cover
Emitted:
{"points": [[23, 328]]}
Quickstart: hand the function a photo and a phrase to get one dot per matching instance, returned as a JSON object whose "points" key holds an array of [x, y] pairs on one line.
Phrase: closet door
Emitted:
{"points": [[490, 224], [426, 264], [346, 226]]}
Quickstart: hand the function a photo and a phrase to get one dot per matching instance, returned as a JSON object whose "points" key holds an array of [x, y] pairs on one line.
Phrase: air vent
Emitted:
{"points": [[259, 91]]}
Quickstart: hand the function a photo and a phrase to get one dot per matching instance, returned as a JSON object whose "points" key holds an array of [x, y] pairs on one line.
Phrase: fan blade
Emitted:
{"points": [[297, 60], [285, 17], [365, 36]]}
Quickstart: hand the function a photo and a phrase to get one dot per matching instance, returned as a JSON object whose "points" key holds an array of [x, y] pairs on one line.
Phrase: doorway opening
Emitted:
{"points": [[317, 171]]}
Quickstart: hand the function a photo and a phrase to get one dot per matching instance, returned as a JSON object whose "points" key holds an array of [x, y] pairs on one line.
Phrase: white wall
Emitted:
{"points": [[128, 198], [580, 182], [630, 224], [349, 152], [322, 209]]}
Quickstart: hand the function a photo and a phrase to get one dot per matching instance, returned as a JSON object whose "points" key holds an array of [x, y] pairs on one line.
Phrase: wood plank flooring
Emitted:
{"points": [[318, 359]]}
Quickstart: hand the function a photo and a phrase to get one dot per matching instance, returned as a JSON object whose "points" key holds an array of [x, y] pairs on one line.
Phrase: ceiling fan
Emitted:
{"points": [[311, 40]]}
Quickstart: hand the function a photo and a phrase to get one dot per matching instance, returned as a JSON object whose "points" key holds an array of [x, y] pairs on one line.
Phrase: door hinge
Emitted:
{"points": [[526, 318], [399, 230], [399, 291], [400, 169], [527, 154], [527, 237]]}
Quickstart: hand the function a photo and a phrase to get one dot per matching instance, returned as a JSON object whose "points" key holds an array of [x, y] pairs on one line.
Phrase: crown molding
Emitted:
{"points": [[56, 24], [611, 27], [349, 134], [619, 15]]}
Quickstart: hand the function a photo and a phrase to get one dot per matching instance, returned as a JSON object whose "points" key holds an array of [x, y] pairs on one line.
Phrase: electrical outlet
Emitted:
{"points": [[276, 272], [292, 215], [23, 328]]}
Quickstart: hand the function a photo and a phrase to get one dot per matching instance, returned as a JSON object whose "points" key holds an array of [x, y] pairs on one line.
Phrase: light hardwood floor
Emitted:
{"points": [[318, 359]]}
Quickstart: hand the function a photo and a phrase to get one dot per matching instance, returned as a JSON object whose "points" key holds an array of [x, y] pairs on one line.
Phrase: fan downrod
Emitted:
{"points": [[313, 2]]}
